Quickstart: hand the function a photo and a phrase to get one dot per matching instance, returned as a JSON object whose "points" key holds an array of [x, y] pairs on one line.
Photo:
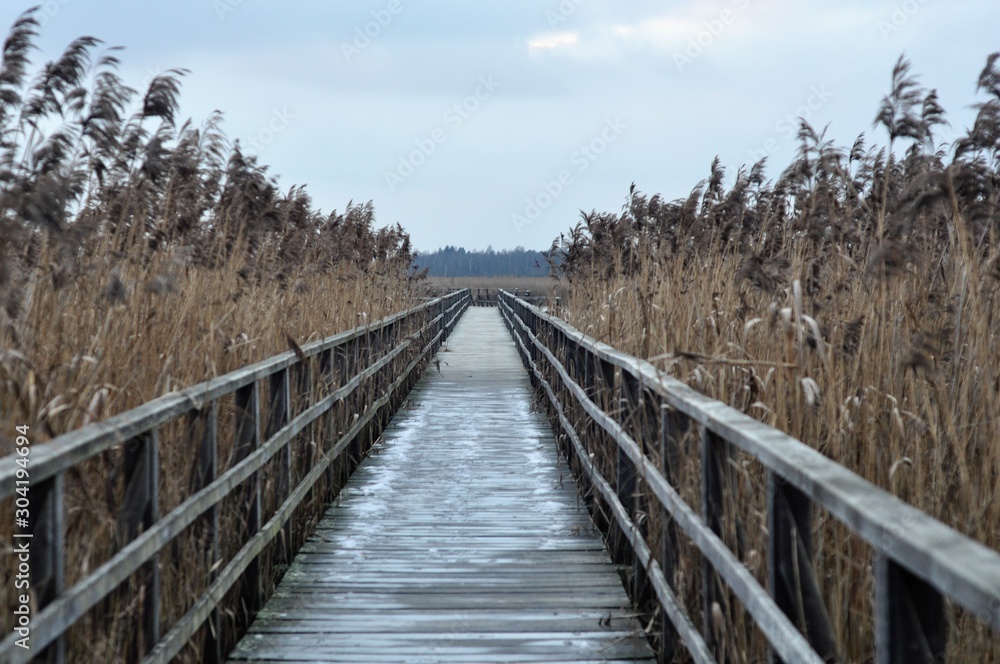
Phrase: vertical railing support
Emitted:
{"points": [[205, 472], [47, 542], [791, 576], [534, 353], [279, 414], [633, 418], [715, 454], [910, 622], [359, 398], [673, 425], [441, 310], [326, 382], [140, 510], [248, 440]]}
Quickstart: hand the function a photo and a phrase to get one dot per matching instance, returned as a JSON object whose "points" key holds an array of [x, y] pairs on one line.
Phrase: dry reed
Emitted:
{"points": [[139, 256], [852, 303]]}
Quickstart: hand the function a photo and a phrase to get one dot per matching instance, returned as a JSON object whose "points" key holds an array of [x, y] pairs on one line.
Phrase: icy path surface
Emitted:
{"points": [[461, 539]]}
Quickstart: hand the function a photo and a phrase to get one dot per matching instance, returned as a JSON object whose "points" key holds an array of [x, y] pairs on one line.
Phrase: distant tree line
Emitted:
{"points": [[458, 262]]}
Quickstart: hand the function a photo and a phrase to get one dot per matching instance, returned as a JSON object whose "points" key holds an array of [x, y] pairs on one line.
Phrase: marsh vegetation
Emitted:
{"points": [[851, 301]]}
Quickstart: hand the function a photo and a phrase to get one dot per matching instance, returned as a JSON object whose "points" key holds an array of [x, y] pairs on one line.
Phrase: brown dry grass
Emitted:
{"points": [[138, 257], [853, 304]]}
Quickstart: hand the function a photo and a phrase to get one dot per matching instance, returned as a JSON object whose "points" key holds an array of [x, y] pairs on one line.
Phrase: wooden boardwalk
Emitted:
{"points": [[462, 539]]}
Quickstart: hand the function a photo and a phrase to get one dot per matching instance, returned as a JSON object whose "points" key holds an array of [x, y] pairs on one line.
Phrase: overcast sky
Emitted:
{"points": [[495, 122]]}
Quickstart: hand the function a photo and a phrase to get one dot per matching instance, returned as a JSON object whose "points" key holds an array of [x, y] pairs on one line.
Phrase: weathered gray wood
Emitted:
{"points": [[248, 441], [62, 608], [73, 603], [64, 452], [910, 621], [461, 512], [957, 566], [186, 627], [140, 510], [669, 602], [942, 559], [279, 414], [791, 576], [206, 474], [715, 455], [781, 633], [672, 428], [48, 565]]}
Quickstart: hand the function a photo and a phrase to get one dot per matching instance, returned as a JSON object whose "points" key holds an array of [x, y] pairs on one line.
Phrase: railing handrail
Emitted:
{"points": [[61, 607], [955, 565], [488, 296], [67, 450]]}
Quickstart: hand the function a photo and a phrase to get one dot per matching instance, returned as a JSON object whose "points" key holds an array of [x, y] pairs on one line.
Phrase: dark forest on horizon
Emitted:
{"points": [[458, 262]]}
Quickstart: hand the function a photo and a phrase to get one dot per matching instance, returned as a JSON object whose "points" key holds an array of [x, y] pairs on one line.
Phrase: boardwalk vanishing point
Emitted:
{"points": [[462, 538]]}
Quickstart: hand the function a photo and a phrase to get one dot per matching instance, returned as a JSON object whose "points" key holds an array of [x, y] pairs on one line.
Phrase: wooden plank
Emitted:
{"points": [[393, 658], [52, 458], [493, 620], [460, 539], [186, 627], [63, 452], [481, 649], [780, 632], [959, 567]]}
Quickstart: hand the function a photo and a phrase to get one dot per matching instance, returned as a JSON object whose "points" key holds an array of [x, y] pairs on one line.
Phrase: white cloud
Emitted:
{"points": [[664, 32], [553, 41]]}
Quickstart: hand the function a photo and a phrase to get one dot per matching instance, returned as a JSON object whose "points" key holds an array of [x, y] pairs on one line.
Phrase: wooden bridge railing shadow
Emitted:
{"points": [[622, 427], [270, 439]]}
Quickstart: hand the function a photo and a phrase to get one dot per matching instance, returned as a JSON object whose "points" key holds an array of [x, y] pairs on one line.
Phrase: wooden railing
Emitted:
{"points": [[622, 423], [291, 423], [489, 297]]}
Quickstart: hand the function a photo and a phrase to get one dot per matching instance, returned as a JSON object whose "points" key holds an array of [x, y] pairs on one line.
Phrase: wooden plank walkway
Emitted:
{"points": [[462, 539]]}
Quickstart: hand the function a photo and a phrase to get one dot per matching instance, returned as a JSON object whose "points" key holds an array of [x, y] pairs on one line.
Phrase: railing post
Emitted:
{"points": [[672, 428], [140, 510], [442, 323], [612, 458], [279, 414], [715, 454], [532, 321], [326, 382], [46, 543], [359, 399], [910, 622], [248, 440], [342, 413], [326, 368], [583, 378], [633, 420], [625, 490], [205, 472], [791, 575]]}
